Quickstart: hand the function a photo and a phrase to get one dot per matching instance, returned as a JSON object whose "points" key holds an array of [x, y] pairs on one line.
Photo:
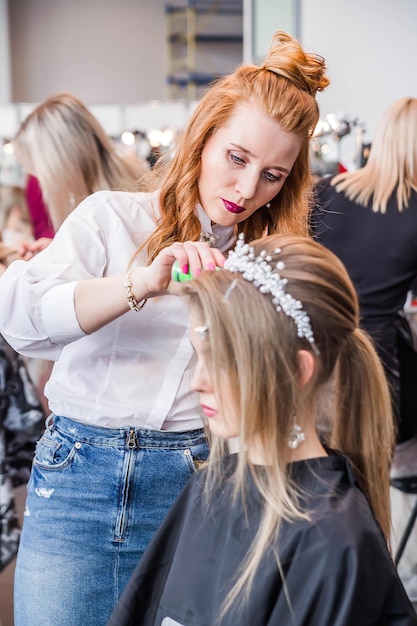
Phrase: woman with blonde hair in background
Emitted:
{"points": [[67, 156], [64, 146], [126, 433], [293, 528], [368, 218]]}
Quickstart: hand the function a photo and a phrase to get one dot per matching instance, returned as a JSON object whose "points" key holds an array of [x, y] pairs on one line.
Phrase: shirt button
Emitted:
{"points": [[77, 445]]}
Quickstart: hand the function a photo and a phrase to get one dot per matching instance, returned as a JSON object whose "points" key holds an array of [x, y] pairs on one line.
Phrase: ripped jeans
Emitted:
{"points": [[95, 498]]}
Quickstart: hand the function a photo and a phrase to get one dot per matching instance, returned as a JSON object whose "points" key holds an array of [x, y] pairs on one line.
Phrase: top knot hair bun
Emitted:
{"points": [[287, 58]]}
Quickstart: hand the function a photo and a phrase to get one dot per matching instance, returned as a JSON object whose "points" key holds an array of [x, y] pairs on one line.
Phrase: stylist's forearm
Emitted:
{"points": [[99, 301]]}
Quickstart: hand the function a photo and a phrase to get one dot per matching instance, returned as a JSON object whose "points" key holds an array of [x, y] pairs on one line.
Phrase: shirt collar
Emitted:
{"points": [[225, 234]]}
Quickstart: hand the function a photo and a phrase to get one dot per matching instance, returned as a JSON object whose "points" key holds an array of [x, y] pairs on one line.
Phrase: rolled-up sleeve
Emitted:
{"points": [[64, 327], [37, 310], [37, 317]]}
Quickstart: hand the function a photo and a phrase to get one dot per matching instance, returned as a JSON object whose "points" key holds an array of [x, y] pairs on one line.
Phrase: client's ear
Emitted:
{"points": [[307, 365]]}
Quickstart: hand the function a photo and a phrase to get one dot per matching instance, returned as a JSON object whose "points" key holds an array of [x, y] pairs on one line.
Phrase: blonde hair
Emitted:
{"points": [[65, 147], [392, 163], [258, 348], [284, 87]]}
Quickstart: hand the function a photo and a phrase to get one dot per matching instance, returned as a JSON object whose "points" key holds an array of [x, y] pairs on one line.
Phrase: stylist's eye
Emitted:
{"points": [[272, 178], [236, 159]]}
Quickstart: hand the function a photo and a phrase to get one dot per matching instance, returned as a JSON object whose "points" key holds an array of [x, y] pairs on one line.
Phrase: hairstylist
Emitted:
{"points": [[125, 433]]}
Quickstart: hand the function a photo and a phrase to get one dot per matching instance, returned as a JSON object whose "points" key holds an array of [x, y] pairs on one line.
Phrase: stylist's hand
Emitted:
{"points": [[193, 256]]}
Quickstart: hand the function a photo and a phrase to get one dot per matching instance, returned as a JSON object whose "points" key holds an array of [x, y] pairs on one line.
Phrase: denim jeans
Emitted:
{"points": [[95, 498]]}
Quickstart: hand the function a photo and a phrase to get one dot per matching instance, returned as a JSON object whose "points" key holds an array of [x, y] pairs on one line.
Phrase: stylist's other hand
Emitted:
{"points": [[28, 249]]}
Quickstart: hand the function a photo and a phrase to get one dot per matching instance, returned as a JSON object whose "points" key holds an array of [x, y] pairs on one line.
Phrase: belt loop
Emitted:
{"points": [[49, 423]]}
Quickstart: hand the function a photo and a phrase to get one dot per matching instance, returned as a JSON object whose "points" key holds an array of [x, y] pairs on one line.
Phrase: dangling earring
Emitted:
{"points": [[296, 435], [268, 205]]}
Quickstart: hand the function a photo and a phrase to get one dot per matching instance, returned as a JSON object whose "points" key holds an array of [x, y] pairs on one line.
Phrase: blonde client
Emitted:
{"points": [[293, 528]]}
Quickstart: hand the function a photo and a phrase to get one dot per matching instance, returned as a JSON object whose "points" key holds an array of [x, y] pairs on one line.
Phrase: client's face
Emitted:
{"points": [[221, 424]]}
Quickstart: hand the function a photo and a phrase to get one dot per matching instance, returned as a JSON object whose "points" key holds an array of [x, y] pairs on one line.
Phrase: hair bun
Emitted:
{"points": [[287, 58]]}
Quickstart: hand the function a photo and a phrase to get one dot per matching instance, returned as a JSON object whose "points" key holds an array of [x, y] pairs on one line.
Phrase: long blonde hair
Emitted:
{"points": [[284, 87], [392, 163], [65, 147], [258, 348]]}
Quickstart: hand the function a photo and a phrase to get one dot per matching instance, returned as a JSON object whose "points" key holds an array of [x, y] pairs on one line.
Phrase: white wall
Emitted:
{"points": [[103, 51], [5, 82], [371, 49]]}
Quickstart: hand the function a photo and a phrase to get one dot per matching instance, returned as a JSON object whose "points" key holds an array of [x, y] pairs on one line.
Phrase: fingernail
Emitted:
{"points": [[197, 272], [211, 266], [185, 269]]}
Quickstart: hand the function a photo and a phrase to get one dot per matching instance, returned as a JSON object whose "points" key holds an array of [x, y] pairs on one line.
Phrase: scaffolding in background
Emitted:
{"points": [[204, 41]]}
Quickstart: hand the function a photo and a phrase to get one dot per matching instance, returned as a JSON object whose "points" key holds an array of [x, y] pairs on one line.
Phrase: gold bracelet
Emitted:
{"points": [[133, 303]]}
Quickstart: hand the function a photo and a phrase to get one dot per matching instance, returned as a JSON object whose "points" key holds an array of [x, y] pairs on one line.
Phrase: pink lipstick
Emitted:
{"points": [[232, 207], [208, 411]]}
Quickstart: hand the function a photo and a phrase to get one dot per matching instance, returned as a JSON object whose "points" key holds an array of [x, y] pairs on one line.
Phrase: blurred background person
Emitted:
{"points": [[368, 218], [67, 155], [65, 148]]}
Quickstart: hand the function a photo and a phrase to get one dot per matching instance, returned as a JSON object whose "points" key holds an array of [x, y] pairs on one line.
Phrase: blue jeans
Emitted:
{"points": [[95, 498]]}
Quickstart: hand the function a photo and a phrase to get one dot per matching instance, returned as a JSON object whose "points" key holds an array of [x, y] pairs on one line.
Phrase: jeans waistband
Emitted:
{"points": [[144, 438]]}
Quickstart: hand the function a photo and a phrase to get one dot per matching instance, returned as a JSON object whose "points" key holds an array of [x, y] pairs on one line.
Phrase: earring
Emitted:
{"points": [[296, 435], [268, 205], [202, 331]]}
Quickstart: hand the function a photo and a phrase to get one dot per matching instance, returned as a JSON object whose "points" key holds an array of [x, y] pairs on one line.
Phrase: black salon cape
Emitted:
{"points": [[338, 571]]}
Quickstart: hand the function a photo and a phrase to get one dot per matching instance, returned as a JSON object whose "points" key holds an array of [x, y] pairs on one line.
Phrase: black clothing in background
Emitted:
{"points": [[337, 568], [379, 251]]}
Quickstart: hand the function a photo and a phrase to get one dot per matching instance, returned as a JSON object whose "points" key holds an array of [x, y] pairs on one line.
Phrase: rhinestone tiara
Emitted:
{"points": [[259, 271]]}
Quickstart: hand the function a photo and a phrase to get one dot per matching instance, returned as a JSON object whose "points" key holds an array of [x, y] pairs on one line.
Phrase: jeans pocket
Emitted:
{"points": [[197, 456], [54, 451]]}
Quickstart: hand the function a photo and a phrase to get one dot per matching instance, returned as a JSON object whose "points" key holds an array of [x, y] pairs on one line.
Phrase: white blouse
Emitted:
{"points": [[134, 371]]}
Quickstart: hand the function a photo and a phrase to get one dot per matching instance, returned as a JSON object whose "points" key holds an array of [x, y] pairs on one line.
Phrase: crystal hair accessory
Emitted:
{"points": [[259, 271], [296, 435]]}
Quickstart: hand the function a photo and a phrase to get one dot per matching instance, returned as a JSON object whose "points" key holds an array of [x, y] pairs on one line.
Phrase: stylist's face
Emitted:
{"points": [[244, 165]]}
